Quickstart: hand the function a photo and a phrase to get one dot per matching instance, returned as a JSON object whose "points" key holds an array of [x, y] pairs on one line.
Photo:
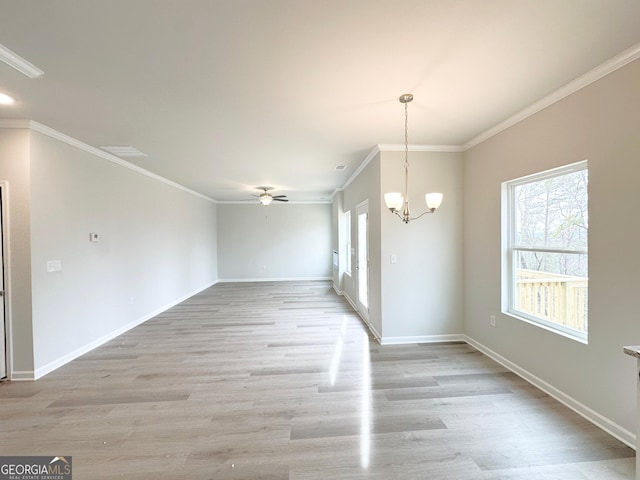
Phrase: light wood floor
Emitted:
{"points": [[281, 381]]}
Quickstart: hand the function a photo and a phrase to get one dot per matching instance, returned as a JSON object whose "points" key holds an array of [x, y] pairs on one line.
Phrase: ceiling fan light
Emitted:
{"points": [[433, 200], [265, 199], [6, 99], [393, 200]]}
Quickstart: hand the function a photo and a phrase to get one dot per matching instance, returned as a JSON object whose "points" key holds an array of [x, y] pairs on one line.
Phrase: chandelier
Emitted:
{"points": [[396, 203]]}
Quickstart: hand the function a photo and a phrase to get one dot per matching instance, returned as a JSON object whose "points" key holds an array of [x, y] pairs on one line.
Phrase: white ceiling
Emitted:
{"points": [[227, 95]]}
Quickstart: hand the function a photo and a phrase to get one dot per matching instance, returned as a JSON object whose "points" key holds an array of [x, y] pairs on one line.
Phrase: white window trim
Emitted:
{"points": [[509, 248], [348, 239]]}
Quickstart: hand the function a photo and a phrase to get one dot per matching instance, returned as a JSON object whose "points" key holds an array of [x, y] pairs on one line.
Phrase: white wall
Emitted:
{"points": [[422, 292], [366, 186], [157, 246], [419, 298], [600, 123], [282, 241], [14, 175]]}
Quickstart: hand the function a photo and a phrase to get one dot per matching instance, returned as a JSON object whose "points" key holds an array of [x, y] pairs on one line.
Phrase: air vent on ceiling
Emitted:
{"points": [[340, 167], [122, 151]]}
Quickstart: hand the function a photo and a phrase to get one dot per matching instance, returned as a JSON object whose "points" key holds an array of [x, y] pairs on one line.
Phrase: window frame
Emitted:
{"points": [[348, 260], [510, 249]]}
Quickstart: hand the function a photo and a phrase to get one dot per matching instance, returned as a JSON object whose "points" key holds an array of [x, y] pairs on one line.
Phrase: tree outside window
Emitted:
{"points": [[548, 261]]}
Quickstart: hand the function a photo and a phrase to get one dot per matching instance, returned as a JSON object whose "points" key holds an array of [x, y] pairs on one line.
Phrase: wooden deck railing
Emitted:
{"points": [[558, 298]]}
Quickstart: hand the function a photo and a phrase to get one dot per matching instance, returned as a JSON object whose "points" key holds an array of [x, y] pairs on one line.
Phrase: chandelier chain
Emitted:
{"points": [[406, 133], [406, 153]]}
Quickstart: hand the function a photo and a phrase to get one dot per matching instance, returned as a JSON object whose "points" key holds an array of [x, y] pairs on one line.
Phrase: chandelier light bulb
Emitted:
{"points": [[433, 200], [393, 200]]}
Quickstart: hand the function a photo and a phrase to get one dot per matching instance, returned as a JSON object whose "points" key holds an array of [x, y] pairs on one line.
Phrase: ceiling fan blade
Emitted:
{"points": [[280, 199], [278, 196]]}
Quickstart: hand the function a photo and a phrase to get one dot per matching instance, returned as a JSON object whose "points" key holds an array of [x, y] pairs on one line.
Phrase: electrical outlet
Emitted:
{"points": [[492, 320]]}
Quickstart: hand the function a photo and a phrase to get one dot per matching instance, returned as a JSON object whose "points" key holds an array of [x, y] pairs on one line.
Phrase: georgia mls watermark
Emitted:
{"points": [[35, 468]]}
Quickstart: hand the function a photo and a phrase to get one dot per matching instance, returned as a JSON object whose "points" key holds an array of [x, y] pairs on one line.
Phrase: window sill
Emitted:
{"points": [[577, 336]]}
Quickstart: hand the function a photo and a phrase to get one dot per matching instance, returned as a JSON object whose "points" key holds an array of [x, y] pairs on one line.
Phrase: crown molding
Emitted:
{"points": [[588, 78], [396, 147], [602, 70], [290, 202], [50, 132], [14, 123], [361, 167], [16, 61], [579, 83]]}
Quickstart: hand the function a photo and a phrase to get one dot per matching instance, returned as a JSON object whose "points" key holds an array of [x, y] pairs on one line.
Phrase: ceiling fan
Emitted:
{"points": [[265, 198]]}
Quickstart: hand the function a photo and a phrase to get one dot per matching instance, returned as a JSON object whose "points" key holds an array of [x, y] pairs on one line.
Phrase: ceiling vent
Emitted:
{"points": [[340, 167], [122, 151]]}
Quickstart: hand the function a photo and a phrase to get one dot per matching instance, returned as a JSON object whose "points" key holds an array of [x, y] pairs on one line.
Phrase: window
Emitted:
{"points": [[546, 269], [347, 229]]}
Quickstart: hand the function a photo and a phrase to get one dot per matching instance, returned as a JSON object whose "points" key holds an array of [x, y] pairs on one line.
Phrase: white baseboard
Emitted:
{"points": [[589, 414], [403, 340], [22, 376], [51, 366], [339, 292], [275, 279], [422, 339], [371, 328], [612, 428], [351, 302]]}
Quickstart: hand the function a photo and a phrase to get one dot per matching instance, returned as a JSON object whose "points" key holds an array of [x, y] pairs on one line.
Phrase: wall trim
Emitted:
{"points": [[455, 337], [22, 376], [5, 199], [19, 63], [290, 202], [361, 167], [275, 279], [51, 366], [396, 147], [367, 323], [612, 428], [579, 83], [50, 132], [372, 329], [14, 123], [602, 70]]}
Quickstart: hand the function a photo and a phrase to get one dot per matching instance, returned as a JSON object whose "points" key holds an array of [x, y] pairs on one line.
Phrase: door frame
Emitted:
{"points": [[362, 310], [5, 303]]}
